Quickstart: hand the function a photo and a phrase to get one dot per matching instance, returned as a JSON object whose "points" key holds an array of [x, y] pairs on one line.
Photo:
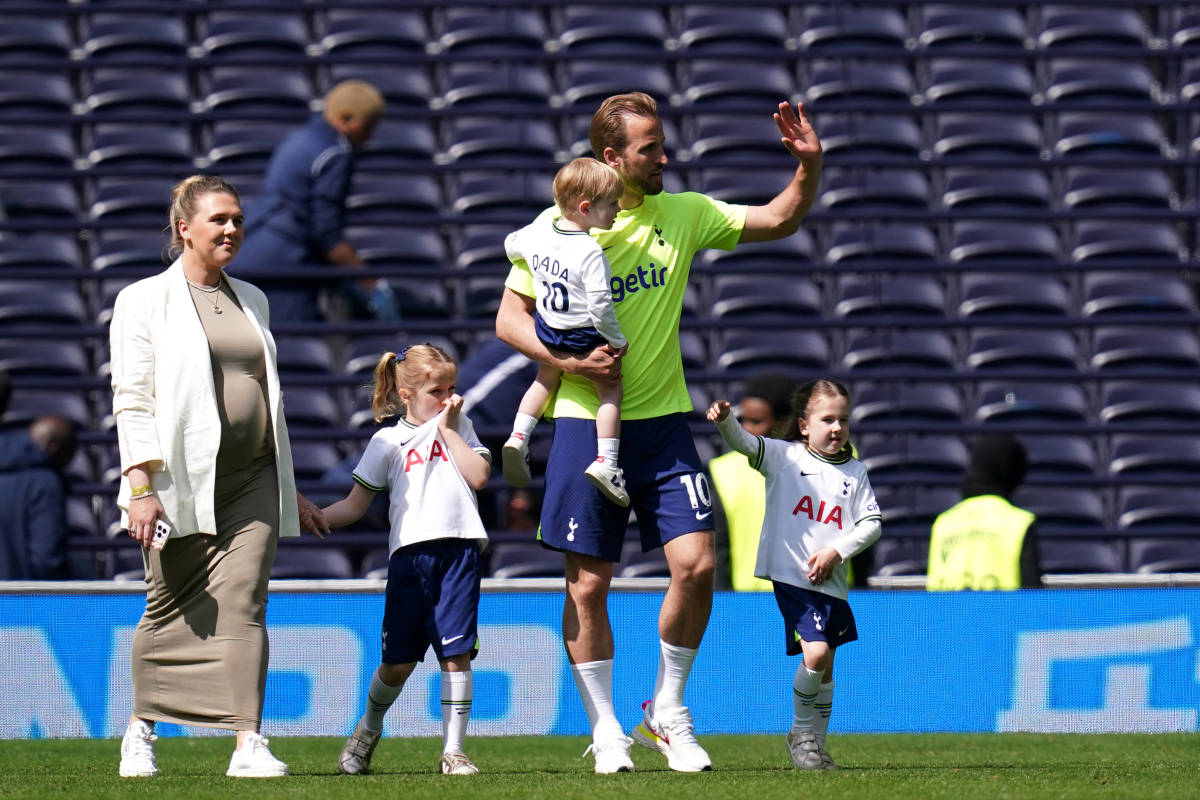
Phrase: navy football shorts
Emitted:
{"points": [[813, 617], [667, 487], [571, 340], [432, 599]]}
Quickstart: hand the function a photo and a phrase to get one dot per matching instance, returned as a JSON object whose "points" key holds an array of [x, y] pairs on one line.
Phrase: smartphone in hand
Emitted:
{"points": [[161, 532]]}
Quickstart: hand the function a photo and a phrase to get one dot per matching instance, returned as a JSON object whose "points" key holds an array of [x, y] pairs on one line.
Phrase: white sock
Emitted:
{"points": [[823, 707], [456, 709], [805, 688], [594, 681], [524, 424], [608, 448], [379, 699], [674, 666]]}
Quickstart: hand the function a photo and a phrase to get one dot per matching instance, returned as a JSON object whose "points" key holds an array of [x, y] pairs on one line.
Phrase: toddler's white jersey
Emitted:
{"points": [[570, 275], [812, 502], [429, 498]]}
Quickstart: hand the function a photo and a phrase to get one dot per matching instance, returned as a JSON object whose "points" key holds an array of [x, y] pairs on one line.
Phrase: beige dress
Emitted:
{"points": [[200, 650]]}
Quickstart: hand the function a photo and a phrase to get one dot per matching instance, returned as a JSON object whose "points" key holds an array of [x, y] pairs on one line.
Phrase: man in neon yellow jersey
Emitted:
{"points": [[650, 249]]}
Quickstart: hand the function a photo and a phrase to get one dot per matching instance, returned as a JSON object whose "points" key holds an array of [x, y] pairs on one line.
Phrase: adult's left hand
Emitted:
{"points": [[798, 135], [311, 518]]}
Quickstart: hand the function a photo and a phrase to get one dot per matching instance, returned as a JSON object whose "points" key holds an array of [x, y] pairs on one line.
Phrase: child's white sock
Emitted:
{"points": [[674, 665], [609, 449], [594, 681], [379, 699], [805, 688], [823, 707], [524, 424], [456, 709]]}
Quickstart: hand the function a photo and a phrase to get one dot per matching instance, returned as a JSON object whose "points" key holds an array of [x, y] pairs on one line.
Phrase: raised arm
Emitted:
{"points": [[781, 217], [514, 326]]}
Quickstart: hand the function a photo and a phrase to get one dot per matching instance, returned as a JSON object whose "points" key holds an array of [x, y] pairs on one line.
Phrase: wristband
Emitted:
{"points": [[140, 491]]}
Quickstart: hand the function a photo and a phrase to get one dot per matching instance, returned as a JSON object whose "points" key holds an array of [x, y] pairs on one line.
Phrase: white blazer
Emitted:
{"points": [[165, 400]]}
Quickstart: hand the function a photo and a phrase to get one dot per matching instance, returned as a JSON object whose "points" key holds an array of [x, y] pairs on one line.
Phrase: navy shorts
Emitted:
{"points": [[667, 487], [814, 617], [432, 599], [573, 340]]}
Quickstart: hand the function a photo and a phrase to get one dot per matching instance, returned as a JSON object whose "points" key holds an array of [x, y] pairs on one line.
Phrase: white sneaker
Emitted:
{"points": [[457, 763], [515, 458], [609, 480], [673, 734], [137, 752], [254, 760], [612, 755], [806, 752], [356, 755]]}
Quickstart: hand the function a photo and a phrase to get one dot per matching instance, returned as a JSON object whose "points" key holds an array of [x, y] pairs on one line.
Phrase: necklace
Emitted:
{"points": [[213, 294]]}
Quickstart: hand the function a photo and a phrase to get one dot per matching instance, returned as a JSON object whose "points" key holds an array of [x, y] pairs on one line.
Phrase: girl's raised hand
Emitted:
{"points": [[718, 411], [452, 406]]}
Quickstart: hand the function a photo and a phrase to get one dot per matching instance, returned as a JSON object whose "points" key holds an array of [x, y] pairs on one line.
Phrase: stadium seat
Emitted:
{"points": [[964, 81], [147, 147], [1189, 81], [830, 28], [719, 140], [1068, 26], [24, 92], [907, 402], [1142, 510], [507, 194], [842, 84], [1150, 457], [1144, 347], [592, 31], [982, 136], [1183, 25], [46, 251], [312, 459], [947, 27], [693, 350], [44, 357], [248, 34], [789, 350], [993, 295], [983, 241], [482, 246], [375, 565], [118, 248], [127, 91], [742, 295], [124, 35], [1054, 456], [858, 136], [46, 200], [1079, 555], [587, 83], [375, 200], [486, 141], [240, 145], [750, 30], [1090, 133], [751, 186], [304, 355], [724, 85], [1064, 511], [1115, 188], [991, 349], [312, 408], [865, 241], [346, 34], [1148, 402], [391, 246], [129, 201], [283, 93], [971, 188], [1151, 554], [32, 37], [23, 148], [40, 303], [1125, 293], [1075, 82], [636, 564], [1058, 403], [505, 86], [524, 560], [863, 190], [864, 297], [402, 86], [1105, 240], [895, 556], [901, 352], [319, 562], [903, 458], [27, 405], [794, 250], [491, 29]]}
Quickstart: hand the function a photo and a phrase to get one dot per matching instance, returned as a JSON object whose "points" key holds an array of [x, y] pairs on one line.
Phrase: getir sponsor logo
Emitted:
{"points": [[805, 506], [651, 277]]}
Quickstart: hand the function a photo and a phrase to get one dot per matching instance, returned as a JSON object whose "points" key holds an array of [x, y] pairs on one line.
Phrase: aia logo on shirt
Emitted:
{"points": [[805, 506], [414, 458]]}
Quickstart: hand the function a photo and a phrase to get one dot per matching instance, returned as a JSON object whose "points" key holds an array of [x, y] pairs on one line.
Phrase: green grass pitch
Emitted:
{"points": [[882, 767]]}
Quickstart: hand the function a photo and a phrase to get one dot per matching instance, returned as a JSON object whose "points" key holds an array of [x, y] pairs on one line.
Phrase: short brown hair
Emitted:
{"points": [[608, 123], [184, 197], [354, 98], [585, 179]]}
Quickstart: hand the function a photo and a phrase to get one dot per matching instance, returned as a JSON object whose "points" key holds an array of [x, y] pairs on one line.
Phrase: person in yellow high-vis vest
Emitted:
{"points": [[984, 542], [740, 489]]}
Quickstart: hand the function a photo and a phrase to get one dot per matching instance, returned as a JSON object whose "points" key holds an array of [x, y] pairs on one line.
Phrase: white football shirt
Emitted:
{"points": [[571, 277], [429, 498]]}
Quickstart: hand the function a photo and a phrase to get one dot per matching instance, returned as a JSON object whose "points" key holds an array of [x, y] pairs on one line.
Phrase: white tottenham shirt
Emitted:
{"points": [[571, 276], [812, 502], [429, 498]]}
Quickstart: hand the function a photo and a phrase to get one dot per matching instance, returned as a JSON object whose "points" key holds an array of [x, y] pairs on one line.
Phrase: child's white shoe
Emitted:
{"points": [[515, 458], [609, 480]]}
